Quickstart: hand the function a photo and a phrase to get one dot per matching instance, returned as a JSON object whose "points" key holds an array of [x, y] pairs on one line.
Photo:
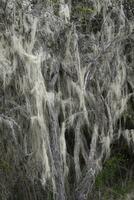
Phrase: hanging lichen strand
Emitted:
{"points": [[65, 68]]}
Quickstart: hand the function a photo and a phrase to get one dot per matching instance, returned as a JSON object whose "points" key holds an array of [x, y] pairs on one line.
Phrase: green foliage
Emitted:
{"points": [[110, 181], [84, 10], [55, 4], [117, 191], [50, 196], [82, 14], [4, 166], [110, 171], [54, 1]]}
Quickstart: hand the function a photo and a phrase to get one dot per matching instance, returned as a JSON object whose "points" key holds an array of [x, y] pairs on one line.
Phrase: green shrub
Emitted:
{"points": [[110, 171], [110, 181]]}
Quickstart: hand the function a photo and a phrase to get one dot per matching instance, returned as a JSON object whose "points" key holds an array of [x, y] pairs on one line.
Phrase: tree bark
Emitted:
{"points": [[86, 183], [55, 147]]}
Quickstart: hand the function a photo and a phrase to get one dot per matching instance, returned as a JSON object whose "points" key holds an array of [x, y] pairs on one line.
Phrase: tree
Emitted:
{"points": [[65, 90]]}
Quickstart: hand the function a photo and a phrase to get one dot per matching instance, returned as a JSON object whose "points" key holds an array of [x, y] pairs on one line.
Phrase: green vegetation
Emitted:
{"points": [[118, 191], [4, 166], [54, 1], [84, 10], [111, 180], [55, 4], [110, 171]]}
